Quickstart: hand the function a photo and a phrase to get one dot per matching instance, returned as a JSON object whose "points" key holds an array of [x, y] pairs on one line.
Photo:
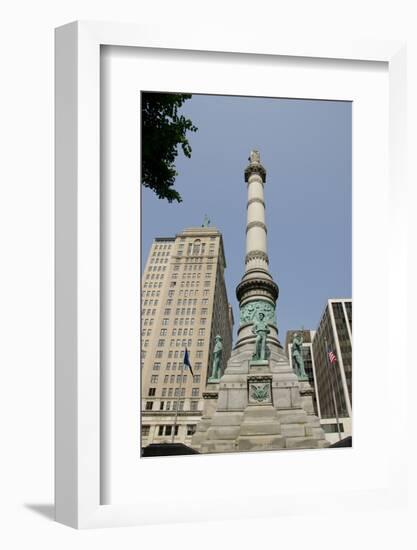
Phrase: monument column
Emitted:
{"points": [[258, 403], [257, 292], [256, 231]]}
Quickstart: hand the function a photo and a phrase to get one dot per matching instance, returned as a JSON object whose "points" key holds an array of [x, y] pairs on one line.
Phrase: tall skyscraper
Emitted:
{"points": [[184, 305], [334, 380]]}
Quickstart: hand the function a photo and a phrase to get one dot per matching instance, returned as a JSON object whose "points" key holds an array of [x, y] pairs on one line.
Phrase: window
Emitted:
{"points": [[194, 405], [168, 430], [195, 392], [191, 429], [158, 354], [168, 367], [184, 379], [156, 366], [168, 407], [181, 407], [203, 321], [161, 406], [151, 392], [149, 405], [199, 355], [145, 430], [178, 378], [201, 331], [166, 379], [160, 430], [170, 391], [154, 379], [196, 379], [182, 392], [161, 343], [163, 332], [197, 366], [204, 311], [200, 343], [164, 392]]}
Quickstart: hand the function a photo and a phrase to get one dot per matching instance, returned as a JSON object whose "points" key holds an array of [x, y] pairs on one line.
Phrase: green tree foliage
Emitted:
{"points": [[163, 133]]}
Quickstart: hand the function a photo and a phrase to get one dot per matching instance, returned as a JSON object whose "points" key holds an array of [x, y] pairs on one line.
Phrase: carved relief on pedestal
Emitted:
{"points": [[259, 390]]}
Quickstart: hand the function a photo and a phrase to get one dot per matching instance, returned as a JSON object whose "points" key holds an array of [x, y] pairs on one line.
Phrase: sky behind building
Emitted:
{"points": [[305, 146]]}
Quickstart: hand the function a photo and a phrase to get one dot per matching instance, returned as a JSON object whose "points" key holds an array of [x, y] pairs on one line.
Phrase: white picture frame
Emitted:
{"points": [[78, 448]]}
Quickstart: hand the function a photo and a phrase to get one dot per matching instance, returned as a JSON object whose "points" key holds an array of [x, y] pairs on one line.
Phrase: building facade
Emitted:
{"points": [[334, 381], [184, 305]]}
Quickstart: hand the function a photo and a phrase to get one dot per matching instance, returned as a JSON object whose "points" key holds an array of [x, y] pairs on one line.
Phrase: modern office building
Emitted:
{"points": [[334, 379], [331, 382], [184, 305]]}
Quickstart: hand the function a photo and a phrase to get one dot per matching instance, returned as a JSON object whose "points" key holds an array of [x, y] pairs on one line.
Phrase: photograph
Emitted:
{"points": [[246, 273]]}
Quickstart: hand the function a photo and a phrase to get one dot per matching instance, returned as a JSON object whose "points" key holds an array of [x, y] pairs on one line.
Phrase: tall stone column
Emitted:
{"points": [[257, 292], [258, 403]]}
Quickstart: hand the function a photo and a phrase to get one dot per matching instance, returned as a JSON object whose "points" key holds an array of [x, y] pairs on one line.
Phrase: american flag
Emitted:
{"points": [[332, 357]]}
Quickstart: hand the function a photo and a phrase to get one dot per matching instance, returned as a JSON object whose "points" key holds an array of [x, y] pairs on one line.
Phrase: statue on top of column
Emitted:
{"points": [[254, 156]]}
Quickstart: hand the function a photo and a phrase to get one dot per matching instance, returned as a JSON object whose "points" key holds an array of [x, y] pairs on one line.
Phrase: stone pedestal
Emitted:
{"points": [[210, 397], [261, 405]]}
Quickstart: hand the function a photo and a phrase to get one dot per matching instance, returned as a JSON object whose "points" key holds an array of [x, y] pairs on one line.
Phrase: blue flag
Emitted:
{"points": [[187, 362]]}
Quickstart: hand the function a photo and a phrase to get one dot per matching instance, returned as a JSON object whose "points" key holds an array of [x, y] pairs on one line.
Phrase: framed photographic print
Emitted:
{"points": [[220, 204]]}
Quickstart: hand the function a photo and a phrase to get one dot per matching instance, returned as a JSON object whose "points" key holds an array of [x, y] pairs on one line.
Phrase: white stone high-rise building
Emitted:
{"points": [[184, 305]]}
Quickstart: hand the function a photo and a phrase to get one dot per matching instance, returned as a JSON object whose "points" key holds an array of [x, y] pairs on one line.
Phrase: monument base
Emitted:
{"points": [[258, 405]]}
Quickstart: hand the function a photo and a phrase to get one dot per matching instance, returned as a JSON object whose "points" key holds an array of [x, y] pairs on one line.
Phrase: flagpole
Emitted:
{"points": [[329, 368], [178, 403]]}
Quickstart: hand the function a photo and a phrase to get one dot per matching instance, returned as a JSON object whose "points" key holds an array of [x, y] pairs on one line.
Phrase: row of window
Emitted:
{"points": [[173, 366], [166, 405], [161, 247], [182, 332], [150, 303], [171, 378], [157, 268], [176, 354], [176, 343], [155, 260], [167, 429], [155, 276], [152, 285], [195, 392]]}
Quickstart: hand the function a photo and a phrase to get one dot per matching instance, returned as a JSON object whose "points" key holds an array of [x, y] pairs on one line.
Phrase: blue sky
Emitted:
{"points": [[305, 146]]}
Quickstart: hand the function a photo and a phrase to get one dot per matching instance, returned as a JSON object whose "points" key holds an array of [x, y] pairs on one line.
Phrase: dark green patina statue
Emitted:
{"points": [[217, 356], [297, 356], [261, 329]]}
